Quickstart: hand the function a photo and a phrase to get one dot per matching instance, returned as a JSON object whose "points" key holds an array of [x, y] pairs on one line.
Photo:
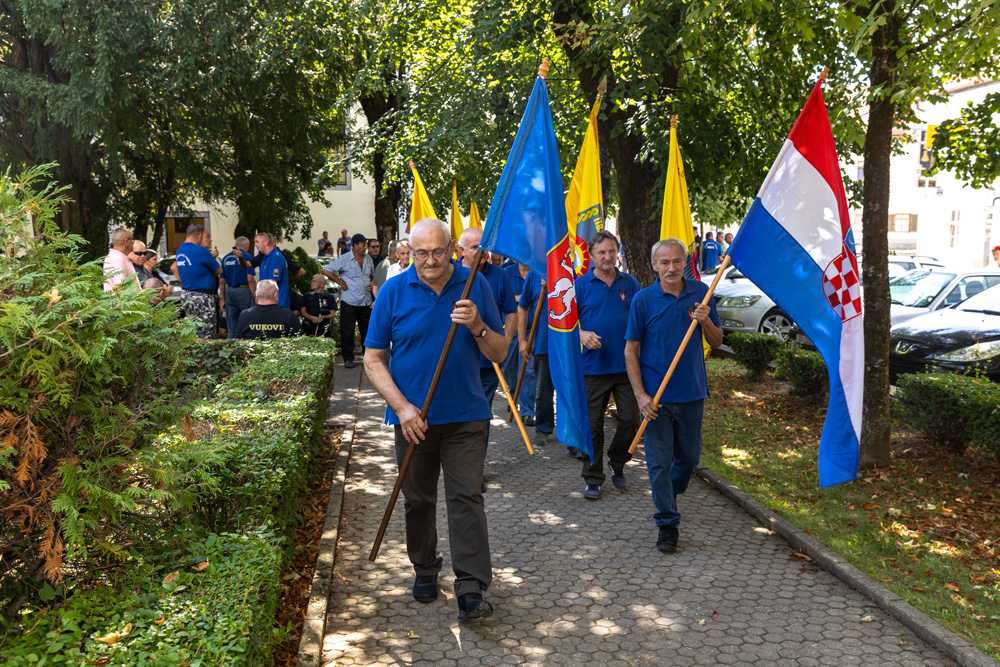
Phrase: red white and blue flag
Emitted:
{"points": [[527, 221], [796, 244]]}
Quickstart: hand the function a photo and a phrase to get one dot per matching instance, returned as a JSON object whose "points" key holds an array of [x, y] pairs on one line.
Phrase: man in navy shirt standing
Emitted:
{"points": [[657, 321], [198, 272], [273, 265], [411, 317], [240, 283], [526, 401], [503, 296], [604, 296], [538, 356], [710, 253]]}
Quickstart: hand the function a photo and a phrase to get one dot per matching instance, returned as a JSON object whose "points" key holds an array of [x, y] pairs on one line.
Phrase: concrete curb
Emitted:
{"points": [[314, 625], [955, 647]]}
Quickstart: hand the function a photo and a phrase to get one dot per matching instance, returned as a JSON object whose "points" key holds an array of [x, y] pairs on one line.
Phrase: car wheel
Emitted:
{"points": [[776, 323]]}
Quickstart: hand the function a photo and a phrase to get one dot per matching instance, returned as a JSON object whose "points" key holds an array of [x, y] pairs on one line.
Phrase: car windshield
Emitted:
{"points": [[985, 302], [918, 288]]}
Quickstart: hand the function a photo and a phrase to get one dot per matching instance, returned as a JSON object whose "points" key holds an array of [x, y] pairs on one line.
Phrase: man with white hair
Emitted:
{"points": [[411, 317], [657, 321], [118, 268], [267, 319]]}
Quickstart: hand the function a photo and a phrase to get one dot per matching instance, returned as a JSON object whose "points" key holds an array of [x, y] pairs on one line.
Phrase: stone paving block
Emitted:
{"points": [[578, 581]]}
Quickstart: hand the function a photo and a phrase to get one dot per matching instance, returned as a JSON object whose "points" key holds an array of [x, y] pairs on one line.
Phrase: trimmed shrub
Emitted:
{"points": [[951, 409], [754, 351], [804, 369]]}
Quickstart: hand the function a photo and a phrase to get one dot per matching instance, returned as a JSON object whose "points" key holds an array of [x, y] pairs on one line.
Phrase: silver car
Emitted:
{"points": [[744, 307], [923, 291]]}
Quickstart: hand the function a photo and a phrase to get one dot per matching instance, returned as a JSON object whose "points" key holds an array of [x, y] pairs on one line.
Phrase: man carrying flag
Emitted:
{"points": [[797, 245], [527, 221]]}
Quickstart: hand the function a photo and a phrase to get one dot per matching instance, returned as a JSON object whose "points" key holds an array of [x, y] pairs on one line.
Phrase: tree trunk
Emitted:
{"points": [[387, 196], [876, 424]]}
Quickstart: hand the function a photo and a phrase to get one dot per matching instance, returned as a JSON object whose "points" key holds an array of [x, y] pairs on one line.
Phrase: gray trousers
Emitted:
{"points": [[459, 450], [599, 390]]}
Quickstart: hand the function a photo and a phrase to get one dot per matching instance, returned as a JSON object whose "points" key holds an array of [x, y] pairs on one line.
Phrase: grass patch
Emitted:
{"points": [[926, 527]]}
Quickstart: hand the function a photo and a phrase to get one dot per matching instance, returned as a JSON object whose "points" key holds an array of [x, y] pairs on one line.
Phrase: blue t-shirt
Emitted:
{"points": [[659, 321], [233, 271], [710, 252], [529, 296], [274, 267], [196, 267], [516, 281], [412, 322], [604, 310], [503, 296]]}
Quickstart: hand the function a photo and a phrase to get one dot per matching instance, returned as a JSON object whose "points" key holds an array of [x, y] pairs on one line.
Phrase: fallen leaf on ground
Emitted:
{"points": [[113, 638], [953, 587], [870, 506], [802, 555], [171, 578], [200, 567]]}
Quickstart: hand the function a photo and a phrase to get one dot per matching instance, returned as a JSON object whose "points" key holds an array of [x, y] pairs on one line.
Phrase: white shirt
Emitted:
{"points": [[118, 268], [394, 270]]}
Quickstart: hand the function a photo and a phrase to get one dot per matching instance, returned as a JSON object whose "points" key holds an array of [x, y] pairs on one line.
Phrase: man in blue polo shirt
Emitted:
{"points": [[710, 253], [240, 283], [604, 296], [273, 266], [657, 321], [411, 317], [503, 296], [198, 271], [538, 356]]}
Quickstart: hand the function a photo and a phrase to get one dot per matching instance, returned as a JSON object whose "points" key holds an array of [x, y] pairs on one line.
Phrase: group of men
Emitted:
{"points": [[628, 335]]}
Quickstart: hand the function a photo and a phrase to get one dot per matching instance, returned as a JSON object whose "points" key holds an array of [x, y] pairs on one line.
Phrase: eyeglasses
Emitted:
{"points": [[423, 255]]}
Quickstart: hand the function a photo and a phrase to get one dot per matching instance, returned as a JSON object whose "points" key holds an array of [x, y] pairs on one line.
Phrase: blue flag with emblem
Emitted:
{"points": [[527, 221]]}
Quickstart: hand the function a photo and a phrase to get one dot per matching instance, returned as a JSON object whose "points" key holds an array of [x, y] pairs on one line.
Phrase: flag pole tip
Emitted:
{"points": [[822, 75], [412, 165], [673, 121], [543, 69], [602, 87]]}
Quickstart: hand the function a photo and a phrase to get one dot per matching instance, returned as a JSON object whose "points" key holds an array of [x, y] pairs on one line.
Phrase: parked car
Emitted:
{"points": [[923, 291], [902, 264], [744, 307], [962, 339]]}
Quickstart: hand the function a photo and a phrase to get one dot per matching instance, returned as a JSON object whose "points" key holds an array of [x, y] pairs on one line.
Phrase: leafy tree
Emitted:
{"points": [[970, 144]]}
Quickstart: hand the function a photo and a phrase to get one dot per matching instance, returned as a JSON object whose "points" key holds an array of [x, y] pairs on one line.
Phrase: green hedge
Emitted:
{"points": [[953, 410], [804, 369], [754, 351], [233, 468]]}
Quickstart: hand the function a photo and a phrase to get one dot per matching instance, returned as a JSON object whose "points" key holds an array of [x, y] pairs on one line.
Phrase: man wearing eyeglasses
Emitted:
{"points": [[503, 296], [412, 316]]}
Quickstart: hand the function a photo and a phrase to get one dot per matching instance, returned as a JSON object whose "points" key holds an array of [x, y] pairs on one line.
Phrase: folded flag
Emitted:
{"points": [[475, 220], [527, 221], [585, 199], [420, 206], [796, 244], [456, 214]]}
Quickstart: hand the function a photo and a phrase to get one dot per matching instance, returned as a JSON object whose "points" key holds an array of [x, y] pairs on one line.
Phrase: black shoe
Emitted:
{"points": [[472, 607], [618, 479], [350, 363], [425, 588], [667, 540], [592, 491], [528, 421], [573, 451]]}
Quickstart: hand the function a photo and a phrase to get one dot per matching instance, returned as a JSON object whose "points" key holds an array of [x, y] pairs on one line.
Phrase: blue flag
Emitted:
{"points": [[527, 221]]}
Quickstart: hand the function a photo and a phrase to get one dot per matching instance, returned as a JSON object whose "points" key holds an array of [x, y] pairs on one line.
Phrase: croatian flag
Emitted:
{"points": [[796, 244]]}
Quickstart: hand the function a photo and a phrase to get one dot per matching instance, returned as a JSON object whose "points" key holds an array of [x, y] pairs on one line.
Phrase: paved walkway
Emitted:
{"points": [[580, 582]]}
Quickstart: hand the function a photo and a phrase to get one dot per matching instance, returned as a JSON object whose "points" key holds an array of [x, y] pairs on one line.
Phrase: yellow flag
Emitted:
{"points": [[456, 214], [675, 222], [420, 207], [585, 199], [475, 222]]}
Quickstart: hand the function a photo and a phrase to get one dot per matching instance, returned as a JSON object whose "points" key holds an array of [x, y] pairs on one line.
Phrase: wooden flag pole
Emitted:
{"points": [[405, 465], [531, 343], [677, 355], [513, 408]]}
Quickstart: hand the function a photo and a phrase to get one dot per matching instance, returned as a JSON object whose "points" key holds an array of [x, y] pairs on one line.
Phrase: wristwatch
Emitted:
{"points": [[482, 334]]}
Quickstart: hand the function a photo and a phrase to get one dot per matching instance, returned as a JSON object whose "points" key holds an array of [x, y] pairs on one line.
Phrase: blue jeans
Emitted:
{"points": [[490, 383], [673, 447], [526, 402], [545, 412], [237, 300]]}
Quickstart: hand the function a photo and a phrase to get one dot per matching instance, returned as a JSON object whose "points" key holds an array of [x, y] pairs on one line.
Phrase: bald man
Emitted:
{"points": [[412, 316], [503, 297]]}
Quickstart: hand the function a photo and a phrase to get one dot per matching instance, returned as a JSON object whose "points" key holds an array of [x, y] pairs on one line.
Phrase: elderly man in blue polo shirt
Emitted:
{"points": [[240, 283], [503, 296], [411, 317], [657, 321], [604, 296], [353, 271]]}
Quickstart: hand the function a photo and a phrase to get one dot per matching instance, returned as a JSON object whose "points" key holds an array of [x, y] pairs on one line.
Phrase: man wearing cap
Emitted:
{"points": [[412, 316], [353, 272], [240, 283], [658, 319], [503, 297], [198, 272], [604, 296]]}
